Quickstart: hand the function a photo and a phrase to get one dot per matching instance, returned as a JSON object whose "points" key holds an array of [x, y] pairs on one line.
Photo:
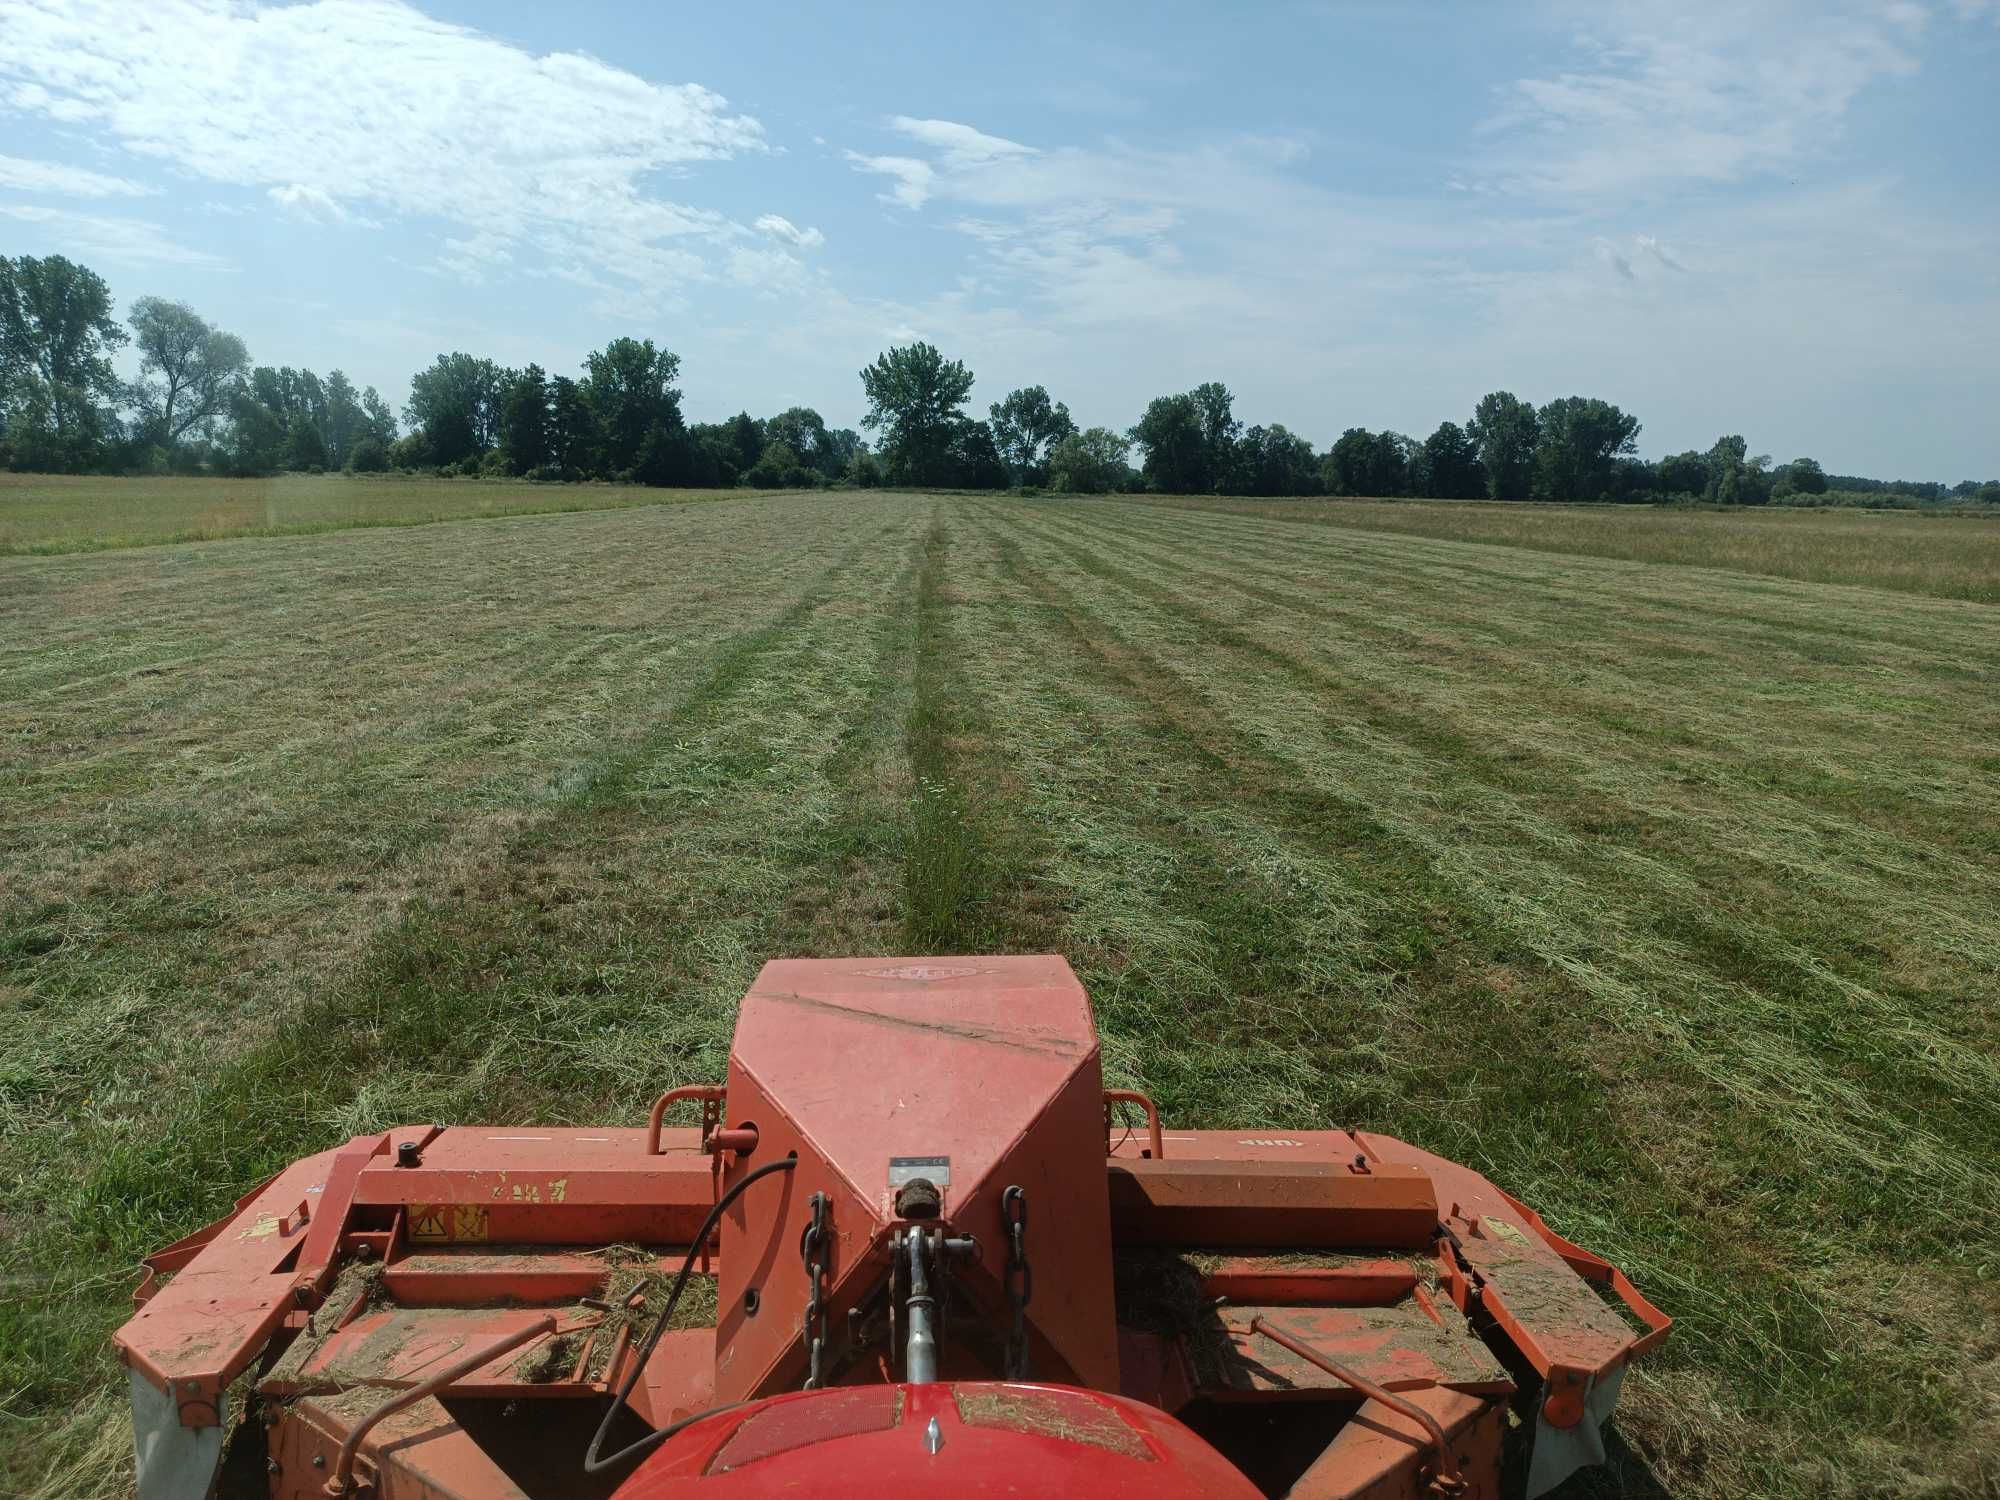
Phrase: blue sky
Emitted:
{"points": [[1777, 219]]}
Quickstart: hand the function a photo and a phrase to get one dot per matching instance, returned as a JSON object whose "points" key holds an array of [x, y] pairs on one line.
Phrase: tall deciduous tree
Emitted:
{"points": [[456, 405], [1272, 461], [1174, 446], [1581, 439], [914, 395], [629, 387], [1505, 429], [1682, 474], [1802, 476], [803, 431], [1219, 427], [346, 423], [1452, 470], [1026, 426], [1368, 463], [975, 460], [572, 439], [524, 420], [57, 335], [189, 369], [381, 422]]}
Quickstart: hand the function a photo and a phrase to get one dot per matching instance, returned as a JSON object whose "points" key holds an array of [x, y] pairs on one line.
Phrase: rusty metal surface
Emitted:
{"points": [[974, 1076], [1261, 1201], [990, 1064], [1398, 1347], [488, 1185], [1379, 1454]]}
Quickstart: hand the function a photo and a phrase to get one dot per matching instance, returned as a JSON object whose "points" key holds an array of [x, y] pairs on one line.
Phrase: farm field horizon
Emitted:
{"points": [[1657, 885]]}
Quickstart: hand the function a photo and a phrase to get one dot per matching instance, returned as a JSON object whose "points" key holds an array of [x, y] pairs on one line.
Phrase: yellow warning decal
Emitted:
{"points": [[427, 1222], [469, 1221]]}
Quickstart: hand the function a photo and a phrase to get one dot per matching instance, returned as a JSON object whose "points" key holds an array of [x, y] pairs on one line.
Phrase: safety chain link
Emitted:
{"points": [[1020, 1279], [813, 1250]]}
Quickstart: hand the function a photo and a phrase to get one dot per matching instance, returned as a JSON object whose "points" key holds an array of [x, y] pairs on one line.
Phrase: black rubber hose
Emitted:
{"points": [[592, 1464]]}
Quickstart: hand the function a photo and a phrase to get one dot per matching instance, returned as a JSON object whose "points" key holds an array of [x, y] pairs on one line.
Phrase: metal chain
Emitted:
{"points": [[1020, 1278], [814, 1252]]}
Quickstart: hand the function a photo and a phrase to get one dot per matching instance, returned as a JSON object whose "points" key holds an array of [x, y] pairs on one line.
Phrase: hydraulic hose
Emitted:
{"points": [[592, 1464]]}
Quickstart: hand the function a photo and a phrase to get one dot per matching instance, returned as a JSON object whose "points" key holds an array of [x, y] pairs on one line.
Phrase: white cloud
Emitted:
{"points": [[958, 145], [1725, 92], [353, 107], [129, 241], [316, 207], [912, 178], [27, 176], [781, 228]]}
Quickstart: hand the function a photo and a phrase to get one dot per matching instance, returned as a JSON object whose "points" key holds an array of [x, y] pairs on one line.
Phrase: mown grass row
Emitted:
{"points": [[593, 951], [46, 515], [1645, 889], [1698, 1113], [1954, 555]]}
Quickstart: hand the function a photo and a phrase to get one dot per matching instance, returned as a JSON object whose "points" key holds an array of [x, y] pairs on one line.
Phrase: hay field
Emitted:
{"points": [[55, 513], [1665, 895], [1951, 553]]}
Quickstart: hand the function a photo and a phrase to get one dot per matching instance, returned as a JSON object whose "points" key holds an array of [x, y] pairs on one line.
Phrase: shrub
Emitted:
{"points": [[367, 456]]}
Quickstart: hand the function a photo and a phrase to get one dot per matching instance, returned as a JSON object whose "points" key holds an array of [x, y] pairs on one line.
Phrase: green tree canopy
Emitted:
{"points": [[1682, 474], [803, 431], [1452, 470], [57, 334], [1505, 430], [629, 388], [1802, 476], [914, 395], [1026, 426], [975, 459], [524, 420], [188, 369], [1272, 461], [1368, 463], [456, 405], [1581, 439], [1091, 462]]}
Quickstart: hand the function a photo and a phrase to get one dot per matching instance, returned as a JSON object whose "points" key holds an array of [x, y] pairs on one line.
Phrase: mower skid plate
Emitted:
{"points": [[1398, 1347]]}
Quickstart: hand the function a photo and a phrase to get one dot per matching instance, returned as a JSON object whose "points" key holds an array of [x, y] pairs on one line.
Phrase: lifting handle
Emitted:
{"points": [[343, 1467], [1448, 1480], [710, 1095], [1133, 1096]]}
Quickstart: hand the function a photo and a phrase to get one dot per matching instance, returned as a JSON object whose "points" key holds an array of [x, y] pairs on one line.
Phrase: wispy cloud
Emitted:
{"points": [[315, 207], [778, 227], [1724, 92], [336, 110], [127, 241], [912, 178], [958, 145], [27, 176]]}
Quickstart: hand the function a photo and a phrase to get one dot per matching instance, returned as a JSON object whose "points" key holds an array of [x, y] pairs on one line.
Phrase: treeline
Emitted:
{"points": [[200, 405]]}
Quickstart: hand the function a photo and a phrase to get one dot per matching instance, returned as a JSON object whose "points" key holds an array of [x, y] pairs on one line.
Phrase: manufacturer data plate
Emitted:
{"points": [[935, 1169]]}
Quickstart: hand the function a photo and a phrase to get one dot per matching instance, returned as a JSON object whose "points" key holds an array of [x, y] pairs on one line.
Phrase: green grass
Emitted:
{"points": [[1951, 552], [55, 513], [1662, 894]]}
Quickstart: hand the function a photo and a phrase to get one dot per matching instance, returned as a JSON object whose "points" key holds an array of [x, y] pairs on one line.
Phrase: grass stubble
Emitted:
{"points": [[1661, 894]]}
